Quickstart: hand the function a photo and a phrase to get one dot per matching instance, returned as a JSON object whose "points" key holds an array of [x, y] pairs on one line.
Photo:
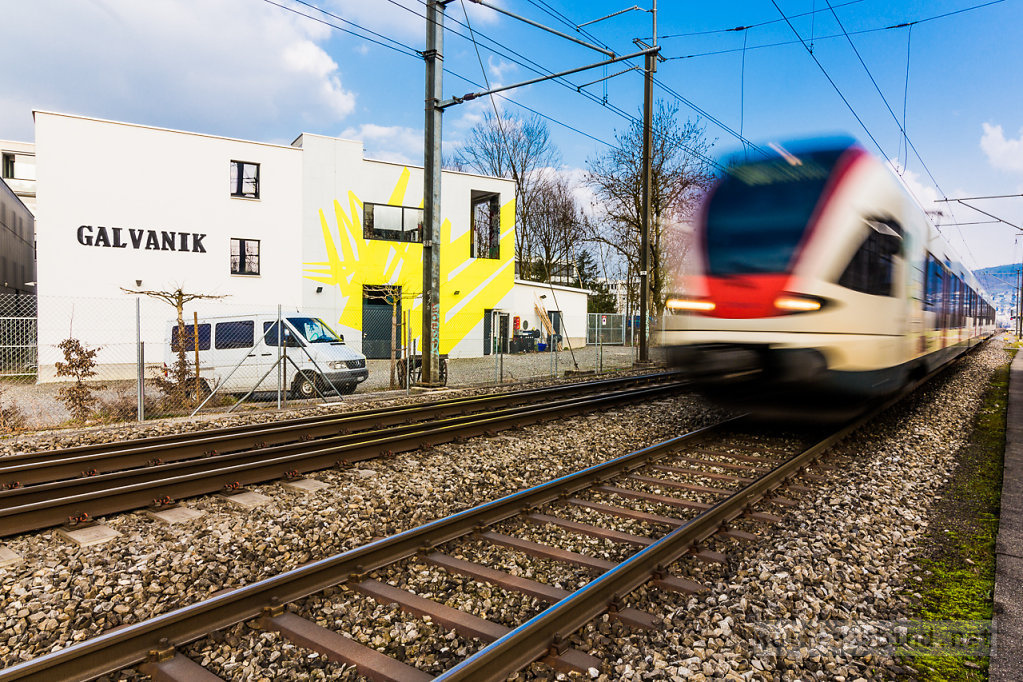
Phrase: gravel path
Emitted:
{"points": [[841, 555]]}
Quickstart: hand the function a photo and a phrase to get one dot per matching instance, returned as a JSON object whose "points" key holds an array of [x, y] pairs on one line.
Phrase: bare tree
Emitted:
{"points": [[178, 298], [557, 226], [513, 147], [680, 176]]}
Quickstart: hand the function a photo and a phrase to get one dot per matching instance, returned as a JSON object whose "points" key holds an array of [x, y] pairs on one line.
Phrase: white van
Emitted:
{"points": [[238, 351]]}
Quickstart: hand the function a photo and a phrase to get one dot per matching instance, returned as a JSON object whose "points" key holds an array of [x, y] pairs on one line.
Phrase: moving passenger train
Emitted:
{"points": [[820, 281]]}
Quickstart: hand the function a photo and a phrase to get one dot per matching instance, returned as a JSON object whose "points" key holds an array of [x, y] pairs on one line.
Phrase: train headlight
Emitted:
{"points": [[794, 303], [689, 305]]}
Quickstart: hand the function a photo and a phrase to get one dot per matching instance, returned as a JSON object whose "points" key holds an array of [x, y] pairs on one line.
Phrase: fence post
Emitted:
{"points": [[140, 409], [600, 348], [280, 336]]}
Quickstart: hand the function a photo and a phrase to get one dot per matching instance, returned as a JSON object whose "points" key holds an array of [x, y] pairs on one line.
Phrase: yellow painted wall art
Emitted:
{"points": [[352, 261]]}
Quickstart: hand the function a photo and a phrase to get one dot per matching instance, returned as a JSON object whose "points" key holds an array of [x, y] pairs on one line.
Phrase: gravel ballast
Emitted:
{"points": [[62, 593], [843, 554]]}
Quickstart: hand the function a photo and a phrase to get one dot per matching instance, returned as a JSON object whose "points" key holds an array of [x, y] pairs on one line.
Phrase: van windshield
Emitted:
{"points": [[314, 330]]}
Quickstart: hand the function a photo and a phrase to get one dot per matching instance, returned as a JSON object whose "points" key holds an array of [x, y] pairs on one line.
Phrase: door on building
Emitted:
{"points": [[488, 331], [377, 320], [503, 332], [555, 316]]}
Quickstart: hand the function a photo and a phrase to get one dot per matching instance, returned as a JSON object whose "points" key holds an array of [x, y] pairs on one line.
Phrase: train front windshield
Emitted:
{"points": [[759, 212]]}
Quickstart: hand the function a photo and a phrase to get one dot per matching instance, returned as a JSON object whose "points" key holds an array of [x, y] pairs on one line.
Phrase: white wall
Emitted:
{"points": [[102, 173], [569, 300]]}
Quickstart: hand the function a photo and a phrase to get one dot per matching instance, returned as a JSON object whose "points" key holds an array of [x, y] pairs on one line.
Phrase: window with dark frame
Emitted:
{"points": [[392, 223], [190, 334], [871, 270], [8, 166], [485, 233], [240, 334], [245, 179], [244, 256]]}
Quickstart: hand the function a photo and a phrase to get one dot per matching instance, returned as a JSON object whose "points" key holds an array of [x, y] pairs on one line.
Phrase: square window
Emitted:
{"points": [[244, 256], [245, 179], [392, 223]]}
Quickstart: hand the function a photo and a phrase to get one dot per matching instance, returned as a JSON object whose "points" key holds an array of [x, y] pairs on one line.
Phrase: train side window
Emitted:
{"points": [[933, 288], [871, 269]]}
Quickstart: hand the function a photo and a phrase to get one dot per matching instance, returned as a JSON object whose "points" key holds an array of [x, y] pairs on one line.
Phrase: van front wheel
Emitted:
{"points": [[305, 386]]}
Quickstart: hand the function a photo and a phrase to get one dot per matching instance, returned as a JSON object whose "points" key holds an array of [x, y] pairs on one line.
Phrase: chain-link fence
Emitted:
{"points": [[68, 362]]}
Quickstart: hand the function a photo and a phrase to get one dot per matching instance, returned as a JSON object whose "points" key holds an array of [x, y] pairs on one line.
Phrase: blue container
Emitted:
{"points": [[541, 347]]}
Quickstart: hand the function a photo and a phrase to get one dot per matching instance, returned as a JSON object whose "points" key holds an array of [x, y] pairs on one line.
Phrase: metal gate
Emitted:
{"points": [[607, 329], [18, 335]]}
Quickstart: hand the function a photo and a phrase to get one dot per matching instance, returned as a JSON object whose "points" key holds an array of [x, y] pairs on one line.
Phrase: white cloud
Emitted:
{"points": [[926, 195], [231, 67], [389, 143], [1002, 153], [499, 68]]}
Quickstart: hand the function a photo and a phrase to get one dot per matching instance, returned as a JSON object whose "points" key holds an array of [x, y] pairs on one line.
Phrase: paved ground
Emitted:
{"points": [[1007, 649]]}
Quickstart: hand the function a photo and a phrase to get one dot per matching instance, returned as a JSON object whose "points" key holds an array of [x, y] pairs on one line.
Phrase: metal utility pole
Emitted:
{"points": [[1019, 303], [644, 256], [431, 191]]}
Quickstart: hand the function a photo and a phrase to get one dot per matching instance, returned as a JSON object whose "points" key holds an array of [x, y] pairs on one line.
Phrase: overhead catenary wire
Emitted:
{"points": [[878, 29], [756, 25], [397, 46], [902, 126]]}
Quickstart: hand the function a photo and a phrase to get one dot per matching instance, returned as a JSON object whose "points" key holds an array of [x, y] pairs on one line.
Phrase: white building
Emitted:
{"points": [[312, 226]]}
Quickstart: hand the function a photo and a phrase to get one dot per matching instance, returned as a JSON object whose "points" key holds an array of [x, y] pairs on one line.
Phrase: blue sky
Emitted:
{"points": [[251, 69]]}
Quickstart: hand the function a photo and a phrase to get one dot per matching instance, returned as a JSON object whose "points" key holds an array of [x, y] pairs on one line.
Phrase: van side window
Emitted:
{"points": [[204, 337], [270, 336], [235, 334]]}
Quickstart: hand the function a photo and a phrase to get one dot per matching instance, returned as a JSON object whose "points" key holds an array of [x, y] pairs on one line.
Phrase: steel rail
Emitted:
{"points": [[549, 630], [59, 470], [51, 465], [131, 644], [41, 506]]}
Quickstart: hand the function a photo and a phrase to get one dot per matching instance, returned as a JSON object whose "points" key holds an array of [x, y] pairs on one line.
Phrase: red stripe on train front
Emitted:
{"points": [[743, 297]]}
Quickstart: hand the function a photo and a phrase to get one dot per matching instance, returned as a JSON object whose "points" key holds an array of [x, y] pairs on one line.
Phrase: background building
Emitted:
{"points": [[17, 245], [310, 226], [18, 170]]}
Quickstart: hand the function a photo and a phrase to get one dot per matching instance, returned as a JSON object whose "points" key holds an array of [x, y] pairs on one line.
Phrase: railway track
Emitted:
{"points": [[76, 485], [693, 487], [688, 493]]}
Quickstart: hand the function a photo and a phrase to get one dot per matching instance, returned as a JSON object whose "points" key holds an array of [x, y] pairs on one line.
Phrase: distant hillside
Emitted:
{"points": [[1000, 283], [1001, 279]]}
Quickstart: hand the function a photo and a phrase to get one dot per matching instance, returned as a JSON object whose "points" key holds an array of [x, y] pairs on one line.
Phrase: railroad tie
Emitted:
{"points": [[178, 668], [464, 623], [592, 531], [625, 512], [336, 647]]}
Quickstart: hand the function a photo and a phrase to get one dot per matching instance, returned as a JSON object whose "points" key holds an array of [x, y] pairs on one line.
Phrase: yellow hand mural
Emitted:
{"points": [[354, 261]]}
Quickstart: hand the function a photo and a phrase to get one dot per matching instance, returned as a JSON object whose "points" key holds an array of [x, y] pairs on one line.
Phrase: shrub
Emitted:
{"points": [[11, 416], [79, 363]]}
